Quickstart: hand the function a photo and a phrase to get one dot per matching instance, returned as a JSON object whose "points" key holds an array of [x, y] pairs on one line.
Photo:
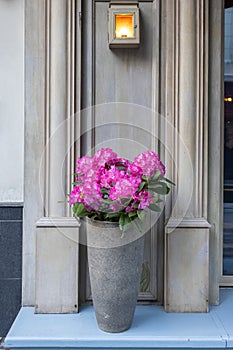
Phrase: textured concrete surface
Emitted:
{"points": [[114, 274]]}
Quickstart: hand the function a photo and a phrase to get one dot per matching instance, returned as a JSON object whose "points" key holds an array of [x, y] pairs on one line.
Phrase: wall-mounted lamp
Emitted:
{"points": [[228, 99], [123, 18]]}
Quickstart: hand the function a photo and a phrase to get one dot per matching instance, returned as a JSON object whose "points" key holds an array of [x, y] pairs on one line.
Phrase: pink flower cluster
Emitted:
{"points": [[149, 162], [108, 183]]}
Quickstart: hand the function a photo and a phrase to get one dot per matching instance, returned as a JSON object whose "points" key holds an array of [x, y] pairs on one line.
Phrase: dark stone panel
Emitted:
{"points": [[10, 249], [10, 303], [11, 212]]}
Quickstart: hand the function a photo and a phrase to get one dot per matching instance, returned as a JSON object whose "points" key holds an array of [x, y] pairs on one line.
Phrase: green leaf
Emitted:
{"points": [[157, 175], [125, 201], [104, 190], [152, 192], [112, 215], [141, 186], [124, 222], [160, 188], [141, 214], [154, 185], [154, 207], [76, 183], [132, 214], [137, 224], [121, 167], [127, 223], [121, 222], [155, 198], [146, 178], [79, 210], [164, 190], [107, 201], [169, 181]]}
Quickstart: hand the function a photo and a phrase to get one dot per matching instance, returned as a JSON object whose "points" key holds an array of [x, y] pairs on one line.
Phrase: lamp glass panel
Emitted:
{"points": [[124, 26]]}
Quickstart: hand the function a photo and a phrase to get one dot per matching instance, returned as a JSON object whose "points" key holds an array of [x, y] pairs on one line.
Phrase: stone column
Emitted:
{"points": [[186, 109]]}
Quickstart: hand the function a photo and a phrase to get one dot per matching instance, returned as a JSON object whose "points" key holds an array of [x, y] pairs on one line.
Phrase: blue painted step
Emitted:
{"points": [[152, 328]]}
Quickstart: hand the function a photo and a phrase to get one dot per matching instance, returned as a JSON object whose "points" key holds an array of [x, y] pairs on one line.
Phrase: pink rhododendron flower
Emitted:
{"points": [[135, 170], [145, 199], [149, 162], [108, 177], [108, 184], [116, 207], [122, 162], [124, 188], [142, 200], [92, 195], [83, 165], [102, 156], [90, 176], [76, 195]]}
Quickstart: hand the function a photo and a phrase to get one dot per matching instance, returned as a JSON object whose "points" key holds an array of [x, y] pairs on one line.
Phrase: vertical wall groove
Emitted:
{"points": [[47, 99], [71, 28]]}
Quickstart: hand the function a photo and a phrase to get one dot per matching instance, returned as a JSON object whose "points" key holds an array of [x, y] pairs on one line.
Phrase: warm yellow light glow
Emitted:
{"points": [[124, 26], [228, 99]]}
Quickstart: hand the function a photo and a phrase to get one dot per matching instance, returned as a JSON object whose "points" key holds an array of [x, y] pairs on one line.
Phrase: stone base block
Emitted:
{"points": [[187, 266], [57, 254]]}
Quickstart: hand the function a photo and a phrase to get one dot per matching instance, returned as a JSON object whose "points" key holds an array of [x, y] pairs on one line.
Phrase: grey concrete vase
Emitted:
{"points": [[115, 268]]}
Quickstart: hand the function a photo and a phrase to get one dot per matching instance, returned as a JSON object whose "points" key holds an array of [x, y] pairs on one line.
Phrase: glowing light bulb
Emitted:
{"points": [[124, 32], [228, 99], [124, 26]]}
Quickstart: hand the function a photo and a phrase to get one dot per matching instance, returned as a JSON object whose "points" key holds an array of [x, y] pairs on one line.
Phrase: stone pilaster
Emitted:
{"points": [[186, 108], [52, 96], [34, 136]]}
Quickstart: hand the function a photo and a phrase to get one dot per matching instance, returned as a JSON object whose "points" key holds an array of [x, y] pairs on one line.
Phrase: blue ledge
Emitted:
{"points": [[152, 329]]}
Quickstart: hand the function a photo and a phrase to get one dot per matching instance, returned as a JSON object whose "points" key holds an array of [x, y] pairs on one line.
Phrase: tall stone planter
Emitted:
{"points": [[115, 263]]}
